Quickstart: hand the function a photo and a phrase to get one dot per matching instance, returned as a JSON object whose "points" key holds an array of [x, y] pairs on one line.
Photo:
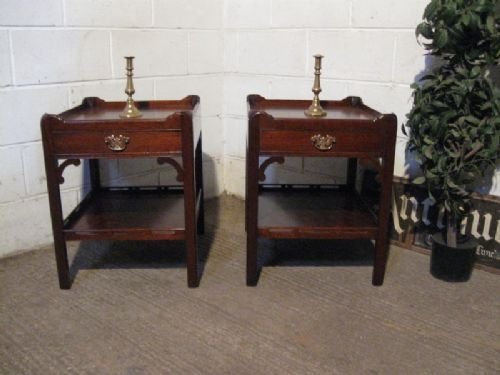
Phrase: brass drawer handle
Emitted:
{"points": [[323, 142], [116, 143]]}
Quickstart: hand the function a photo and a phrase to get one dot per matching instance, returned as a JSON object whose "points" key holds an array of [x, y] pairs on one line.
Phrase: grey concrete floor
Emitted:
{"points": [[314, 310]]}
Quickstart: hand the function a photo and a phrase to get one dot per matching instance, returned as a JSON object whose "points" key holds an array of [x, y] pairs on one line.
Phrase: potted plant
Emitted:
{"points": [[454, 124]]}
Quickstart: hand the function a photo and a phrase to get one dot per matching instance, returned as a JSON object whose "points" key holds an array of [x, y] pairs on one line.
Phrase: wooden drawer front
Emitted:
{"points": [[342, 141], [116, 143]]}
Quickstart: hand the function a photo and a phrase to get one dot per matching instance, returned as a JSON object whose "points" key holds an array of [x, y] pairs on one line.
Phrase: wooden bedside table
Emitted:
{"points": [[279, 128], [95, 131]]}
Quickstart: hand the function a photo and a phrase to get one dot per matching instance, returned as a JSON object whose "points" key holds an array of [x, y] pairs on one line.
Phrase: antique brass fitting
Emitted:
{"points": [[116, 142], [315, 109], [130, 110], [323, 142]]}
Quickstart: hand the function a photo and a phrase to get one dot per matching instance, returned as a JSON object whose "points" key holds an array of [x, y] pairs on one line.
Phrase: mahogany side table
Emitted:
{"points": [[94, 131], [279, 128]]}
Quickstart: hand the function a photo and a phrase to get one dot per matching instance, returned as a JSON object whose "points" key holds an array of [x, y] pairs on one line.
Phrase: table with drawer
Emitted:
{"points": [[278, 129], [94, 130]]}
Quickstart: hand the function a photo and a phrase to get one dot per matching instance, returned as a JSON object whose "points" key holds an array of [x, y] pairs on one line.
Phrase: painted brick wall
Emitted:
{"points": [[369, 50], [53, 53]]}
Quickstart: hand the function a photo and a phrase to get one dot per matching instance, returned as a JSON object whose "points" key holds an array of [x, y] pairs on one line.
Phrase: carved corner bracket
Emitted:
{"points": [[173, 163], [62, 167], [266, 163]]}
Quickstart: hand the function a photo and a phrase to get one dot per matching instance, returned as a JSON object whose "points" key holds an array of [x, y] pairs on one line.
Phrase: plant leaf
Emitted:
{"points": [[490, 24], [430, 9], [440, 38]]}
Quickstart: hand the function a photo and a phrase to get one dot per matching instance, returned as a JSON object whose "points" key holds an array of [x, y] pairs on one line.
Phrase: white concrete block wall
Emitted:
{"points": [[5, 72], [12, 187], [242, 14], [22, 108], [153, 51], [206, 51], [271, 52], [357, 55], [391, 14], [58, 56], [56, 52], [369, 50], [188, 14], [134, 13], [316, 14], [31, 13]]}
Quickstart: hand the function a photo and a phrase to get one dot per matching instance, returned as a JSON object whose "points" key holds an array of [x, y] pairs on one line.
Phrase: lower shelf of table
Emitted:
{"points": [[128, 214], [317, 213]]}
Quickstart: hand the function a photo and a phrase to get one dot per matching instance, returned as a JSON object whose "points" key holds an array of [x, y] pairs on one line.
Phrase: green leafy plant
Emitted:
{"points": [[454, 124], [462, 32]]}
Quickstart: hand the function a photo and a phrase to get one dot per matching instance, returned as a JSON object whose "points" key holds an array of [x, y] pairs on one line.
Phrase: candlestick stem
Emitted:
{"points": [[130, 110], [315, 109]]}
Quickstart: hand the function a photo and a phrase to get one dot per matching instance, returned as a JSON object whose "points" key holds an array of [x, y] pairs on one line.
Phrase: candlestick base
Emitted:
{"points": [[130, 110], [315, 110]]}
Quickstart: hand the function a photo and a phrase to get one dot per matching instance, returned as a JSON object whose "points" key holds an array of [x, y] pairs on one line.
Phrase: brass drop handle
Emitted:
{"points": [[323, 142], [116, 142]]}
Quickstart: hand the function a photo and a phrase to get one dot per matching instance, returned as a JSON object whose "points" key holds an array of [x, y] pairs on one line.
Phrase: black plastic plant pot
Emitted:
{"points": [[452, 264]]}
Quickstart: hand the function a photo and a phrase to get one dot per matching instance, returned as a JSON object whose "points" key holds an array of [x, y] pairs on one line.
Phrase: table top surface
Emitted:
{"points": [[332, 112], [351, 108], [98, 110], [103, 114]]}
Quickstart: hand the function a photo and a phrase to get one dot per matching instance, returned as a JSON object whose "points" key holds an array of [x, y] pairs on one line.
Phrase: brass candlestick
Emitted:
{"points": [[130, 110], [315, 109]]}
